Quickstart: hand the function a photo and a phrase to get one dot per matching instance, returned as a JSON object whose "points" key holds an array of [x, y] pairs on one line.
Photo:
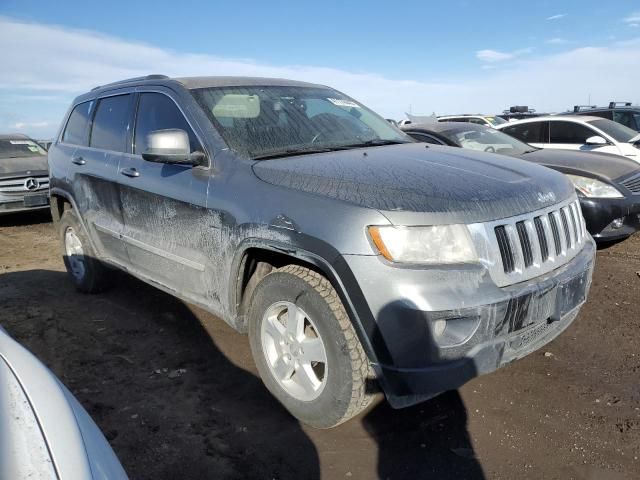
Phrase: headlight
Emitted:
{"points": [[435, 244], [592, 188]]}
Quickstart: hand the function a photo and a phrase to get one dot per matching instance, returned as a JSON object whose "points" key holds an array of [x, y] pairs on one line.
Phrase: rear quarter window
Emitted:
{"points": [[75, 131], [533, 132]]}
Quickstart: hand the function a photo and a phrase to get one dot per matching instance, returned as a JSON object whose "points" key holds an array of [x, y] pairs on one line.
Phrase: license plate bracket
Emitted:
{"points": [[36, 200], [571, 294]]}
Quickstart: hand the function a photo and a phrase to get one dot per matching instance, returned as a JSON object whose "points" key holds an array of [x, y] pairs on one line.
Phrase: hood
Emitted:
{"points": [[451, 184], [22, 165], [603, 165]]}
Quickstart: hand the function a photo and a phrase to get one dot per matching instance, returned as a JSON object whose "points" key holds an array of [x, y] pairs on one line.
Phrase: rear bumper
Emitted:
{"points": [[599, 213], [511, 323]]}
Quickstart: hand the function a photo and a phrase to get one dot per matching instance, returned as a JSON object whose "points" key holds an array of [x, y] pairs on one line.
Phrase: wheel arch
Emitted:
{"points": [[247, 264]]}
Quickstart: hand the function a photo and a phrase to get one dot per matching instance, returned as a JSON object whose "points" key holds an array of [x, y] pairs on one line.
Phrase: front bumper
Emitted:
{"points": [[599, 213], [511, 321], [37, 201]]}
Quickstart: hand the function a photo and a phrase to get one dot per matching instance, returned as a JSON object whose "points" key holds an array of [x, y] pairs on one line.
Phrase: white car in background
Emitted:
{"points": [[583, 133], [44, 432], [486, 120]]}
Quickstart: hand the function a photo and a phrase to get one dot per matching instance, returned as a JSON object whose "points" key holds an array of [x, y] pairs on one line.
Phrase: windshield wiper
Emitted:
{"points": [[529, 151], [292, 152], [375, 142]]}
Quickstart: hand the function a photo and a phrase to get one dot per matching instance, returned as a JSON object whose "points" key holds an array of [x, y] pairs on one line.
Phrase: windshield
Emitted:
{"points": [[272, 121], [18, 147], [495, 120], [487, 140], [616, 130]]}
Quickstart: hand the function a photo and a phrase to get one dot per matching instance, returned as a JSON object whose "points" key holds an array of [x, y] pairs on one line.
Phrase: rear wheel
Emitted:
{"points": [[306, 349], [85, 270]]}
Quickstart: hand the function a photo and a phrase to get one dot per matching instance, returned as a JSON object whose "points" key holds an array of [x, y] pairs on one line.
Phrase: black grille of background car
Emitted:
{"points": [[633, 184], [525, 244]]}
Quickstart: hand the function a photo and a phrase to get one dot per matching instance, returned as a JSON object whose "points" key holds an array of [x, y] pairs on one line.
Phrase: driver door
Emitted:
{"points": [[164, 205]]}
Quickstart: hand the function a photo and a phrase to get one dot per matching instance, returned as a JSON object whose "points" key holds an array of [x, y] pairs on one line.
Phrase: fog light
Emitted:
{"points": [[439, 327], [617, 223], [450, 332]]}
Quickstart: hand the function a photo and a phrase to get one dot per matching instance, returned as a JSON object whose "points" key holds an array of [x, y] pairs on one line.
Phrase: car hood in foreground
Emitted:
{"points": [[45, 433], [451, 185], [604, 165], [22, 165]]}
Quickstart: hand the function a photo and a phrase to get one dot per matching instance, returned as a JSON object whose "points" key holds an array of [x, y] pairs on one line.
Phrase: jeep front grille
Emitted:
{"points": [[520, 248]]}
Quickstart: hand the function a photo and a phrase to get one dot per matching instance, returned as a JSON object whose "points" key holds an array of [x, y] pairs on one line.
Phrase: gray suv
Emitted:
{"points": [[356, 259]]}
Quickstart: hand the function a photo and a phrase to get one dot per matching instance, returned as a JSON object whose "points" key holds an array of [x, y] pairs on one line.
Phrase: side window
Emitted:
{"points": [[75, 132], [479, 121], [111, 123], [457, 119], [625, 118], [423, 137], [158, 112], [569, 132], [532, 132]]}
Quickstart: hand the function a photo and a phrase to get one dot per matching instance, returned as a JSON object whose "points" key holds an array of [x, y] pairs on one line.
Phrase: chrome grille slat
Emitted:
{"points": [[523, 247], [525, 244], [16, 185], [542, 239]]}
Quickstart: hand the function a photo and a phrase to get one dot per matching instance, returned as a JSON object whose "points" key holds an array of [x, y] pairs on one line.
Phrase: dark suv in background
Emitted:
{"points": [[354, 257], [622, 112]]}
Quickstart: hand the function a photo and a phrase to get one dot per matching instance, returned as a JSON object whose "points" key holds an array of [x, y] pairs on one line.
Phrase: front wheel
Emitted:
{"points": [[306, 349]]}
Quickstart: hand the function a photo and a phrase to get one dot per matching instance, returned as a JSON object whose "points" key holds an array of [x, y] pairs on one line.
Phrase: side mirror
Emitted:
{"points": [[596, 140], [171, 146]]}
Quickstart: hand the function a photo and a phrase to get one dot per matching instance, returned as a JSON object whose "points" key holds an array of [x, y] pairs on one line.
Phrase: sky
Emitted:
{"points": [[395, 57]]}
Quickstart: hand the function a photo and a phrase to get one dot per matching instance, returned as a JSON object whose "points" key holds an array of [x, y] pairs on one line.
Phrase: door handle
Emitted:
{"points": [[130, 172], [78, 161]]}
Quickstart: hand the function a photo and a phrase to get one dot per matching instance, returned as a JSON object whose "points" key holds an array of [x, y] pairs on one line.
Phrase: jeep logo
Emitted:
{"points": [[546, 197]]}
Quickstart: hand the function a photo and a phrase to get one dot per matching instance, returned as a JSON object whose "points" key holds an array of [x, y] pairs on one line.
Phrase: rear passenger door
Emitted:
{"points": [[93, 170], [166, 229], [535, 134]]}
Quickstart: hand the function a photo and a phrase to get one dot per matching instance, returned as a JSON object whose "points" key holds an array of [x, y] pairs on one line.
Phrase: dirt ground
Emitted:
{"points": [[175, 391]]}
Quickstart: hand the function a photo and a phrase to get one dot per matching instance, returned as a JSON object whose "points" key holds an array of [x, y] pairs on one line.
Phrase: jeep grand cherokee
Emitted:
{"points": [[354, 257]]}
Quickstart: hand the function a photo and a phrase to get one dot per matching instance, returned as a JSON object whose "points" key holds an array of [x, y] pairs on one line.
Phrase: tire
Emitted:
{"points": [[342, 390], [85, 270]]}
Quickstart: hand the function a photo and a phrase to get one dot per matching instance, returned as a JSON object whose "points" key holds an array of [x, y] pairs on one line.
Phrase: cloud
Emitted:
{"points": [[557, 17], [69, 62], [557, 41], [493, 56], [632, 20], [23, 125]]}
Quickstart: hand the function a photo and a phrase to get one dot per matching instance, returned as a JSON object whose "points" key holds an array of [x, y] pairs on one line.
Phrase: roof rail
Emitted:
{"points": [[580, 108], [615, 104], [153, 76]]}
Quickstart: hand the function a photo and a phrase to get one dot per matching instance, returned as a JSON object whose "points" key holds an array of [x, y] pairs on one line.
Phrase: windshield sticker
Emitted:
{"points": [[343, 103], [33, 148]]}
